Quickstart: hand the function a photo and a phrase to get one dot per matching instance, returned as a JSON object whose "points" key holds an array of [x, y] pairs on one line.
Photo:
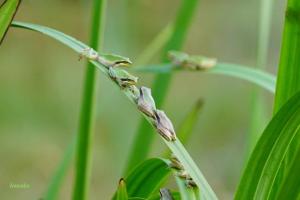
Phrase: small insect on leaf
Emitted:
{"points": [[164, 126], [146, 103]]}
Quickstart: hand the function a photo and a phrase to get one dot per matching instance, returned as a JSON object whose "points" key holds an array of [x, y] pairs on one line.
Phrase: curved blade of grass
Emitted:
{"points": [[190, 166], [147, 178], [8, 10], [176, 147], [261, 171], [258, 77], [288, 80], [60, 173], [86, 118], [290, 188], [189, 122], [144, 137], [258, 115], [122, 191]]}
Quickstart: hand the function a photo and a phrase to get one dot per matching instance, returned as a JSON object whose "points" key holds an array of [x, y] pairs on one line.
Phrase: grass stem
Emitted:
{"points": [[83, 154]]}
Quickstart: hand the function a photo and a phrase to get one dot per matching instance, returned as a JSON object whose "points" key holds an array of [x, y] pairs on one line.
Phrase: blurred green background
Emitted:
{"points": [[41, 85]]}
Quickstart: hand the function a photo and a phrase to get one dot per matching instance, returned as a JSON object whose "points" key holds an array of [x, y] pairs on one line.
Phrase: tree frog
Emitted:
{"points": [[191, 61], [122, 77], [164, 126], [146, 103], [108, 60]]}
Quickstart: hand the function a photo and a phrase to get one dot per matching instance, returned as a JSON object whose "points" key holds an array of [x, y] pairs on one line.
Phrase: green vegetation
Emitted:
{"points": [[271, 172]]}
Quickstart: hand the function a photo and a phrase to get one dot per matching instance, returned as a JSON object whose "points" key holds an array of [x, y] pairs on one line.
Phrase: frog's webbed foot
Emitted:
{"points": [[89, 53]]}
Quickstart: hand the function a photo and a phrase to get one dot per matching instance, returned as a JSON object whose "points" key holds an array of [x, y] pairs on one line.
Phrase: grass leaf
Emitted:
{"points": [[288, 79], [8, 10], [290, 187], [265, 161], [122, 191], [60, 173], [258, 116], [258, 77], [147, 178], [86, 118]]}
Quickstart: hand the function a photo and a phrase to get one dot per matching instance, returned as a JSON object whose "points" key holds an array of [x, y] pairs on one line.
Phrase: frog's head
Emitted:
{"points": [[177, 57], [116, 60]]}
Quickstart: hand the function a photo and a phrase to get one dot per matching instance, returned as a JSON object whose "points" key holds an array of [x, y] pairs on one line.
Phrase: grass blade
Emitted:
{"points": [[59, 175], [190, 166], [122, 191], [189, 122], [83, 154], [146, 179], [266, 160], [258, 116], [144, 139], [288, 79], [258, 77], [8, 10], [175, 146], [290, 187]]}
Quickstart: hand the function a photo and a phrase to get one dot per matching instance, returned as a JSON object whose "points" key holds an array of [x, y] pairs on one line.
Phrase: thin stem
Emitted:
{"points": [[83, 154], [258, 110]]}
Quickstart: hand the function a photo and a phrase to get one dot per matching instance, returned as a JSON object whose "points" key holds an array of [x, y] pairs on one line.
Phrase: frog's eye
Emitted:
{"points": [[123, 63]]}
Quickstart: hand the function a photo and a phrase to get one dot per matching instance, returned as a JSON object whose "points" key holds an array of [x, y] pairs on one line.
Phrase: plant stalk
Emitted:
{"points": [[85, 132]]}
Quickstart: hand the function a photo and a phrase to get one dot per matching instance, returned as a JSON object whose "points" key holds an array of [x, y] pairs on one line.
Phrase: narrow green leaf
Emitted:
{"points": [[190, 166], [86, 118], [258, 77], [8, 10], [258, 115], [288, 80], [144, 139], [122, 191], [147, 178], [290, 187], [175, 146], [261, 171], [188, 124], [60, 173]]}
